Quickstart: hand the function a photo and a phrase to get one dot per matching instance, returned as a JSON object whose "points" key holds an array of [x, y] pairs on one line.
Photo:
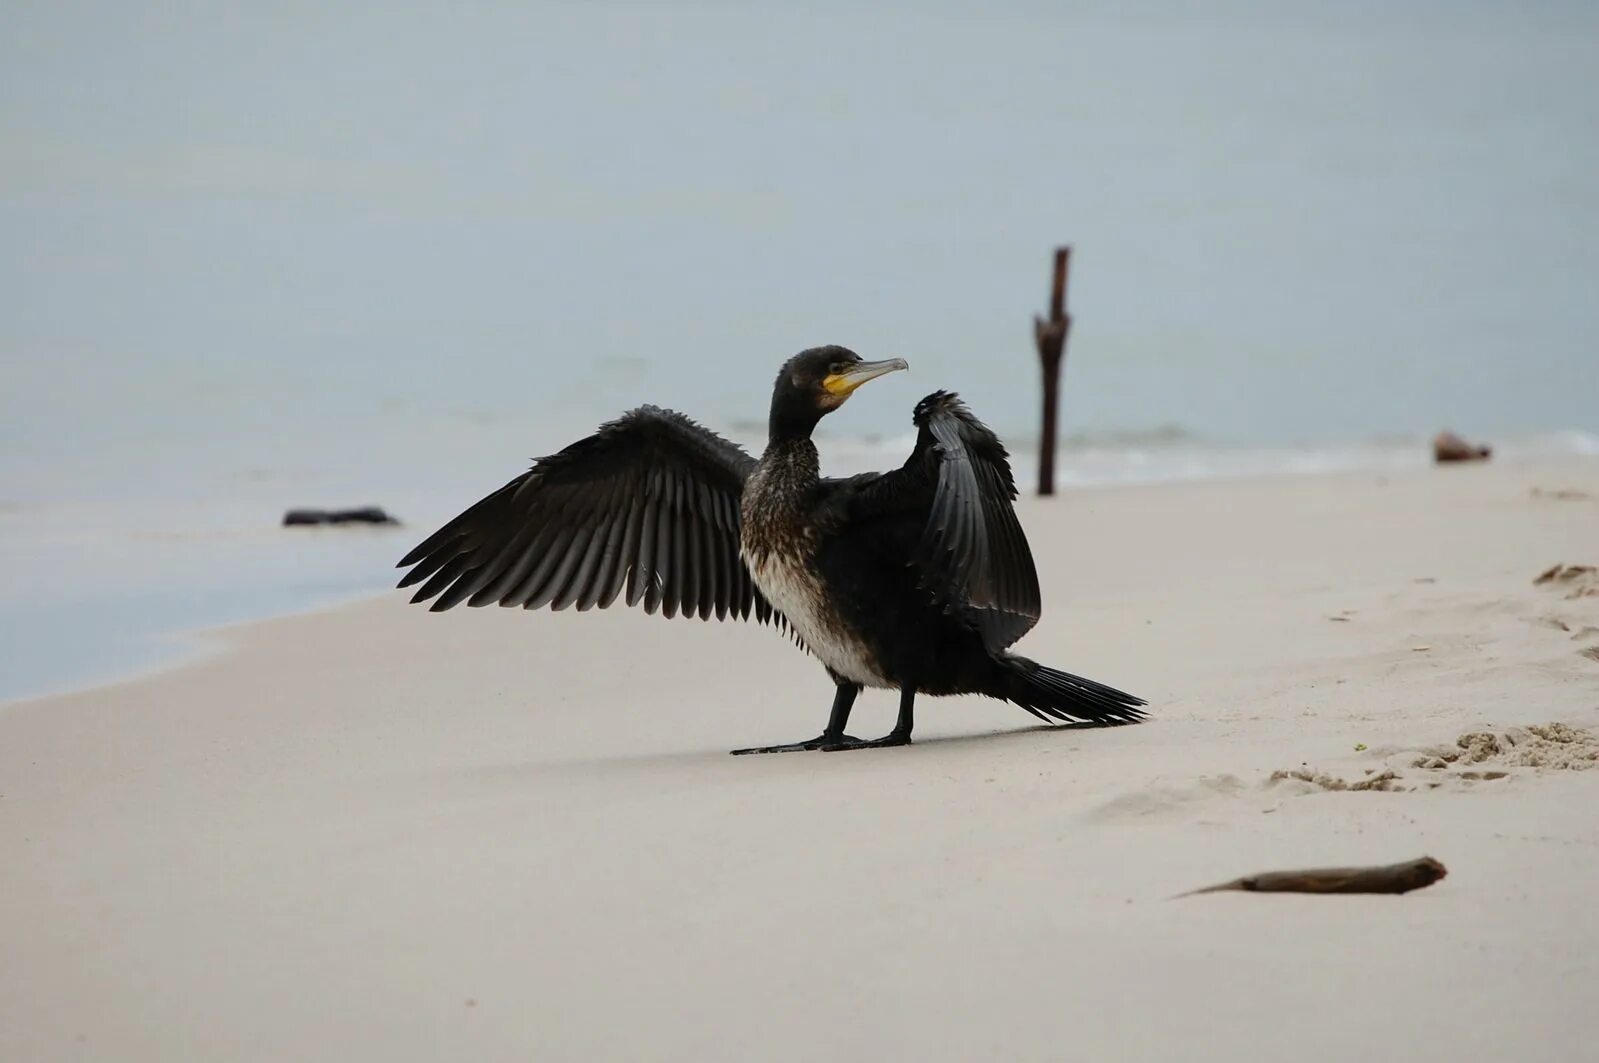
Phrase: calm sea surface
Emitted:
{"points": [[258, 256]]}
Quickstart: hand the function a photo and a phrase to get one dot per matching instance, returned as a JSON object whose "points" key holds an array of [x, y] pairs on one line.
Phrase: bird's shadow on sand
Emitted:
{"points": [[630, 764], [986, 736]]}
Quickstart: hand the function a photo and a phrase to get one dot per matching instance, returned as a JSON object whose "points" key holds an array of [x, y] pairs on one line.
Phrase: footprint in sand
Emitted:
{"points": [[1159, 802], [1386, 781], [1586, 633], [1562, 494], [1578, 581]]}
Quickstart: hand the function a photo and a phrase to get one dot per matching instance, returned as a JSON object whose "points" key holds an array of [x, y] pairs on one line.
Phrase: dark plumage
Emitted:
{"points": [[918, 579]]}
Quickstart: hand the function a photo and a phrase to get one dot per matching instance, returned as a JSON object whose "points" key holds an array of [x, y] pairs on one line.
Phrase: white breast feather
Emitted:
{"points": [[796, 592]]}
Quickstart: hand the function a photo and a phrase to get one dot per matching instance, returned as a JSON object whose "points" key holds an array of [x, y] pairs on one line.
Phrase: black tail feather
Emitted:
{"points": [[1054, 695]]}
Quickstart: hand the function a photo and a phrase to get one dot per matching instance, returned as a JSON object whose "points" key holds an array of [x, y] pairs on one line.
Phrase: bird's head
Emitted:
{"points": [[816, 382]]}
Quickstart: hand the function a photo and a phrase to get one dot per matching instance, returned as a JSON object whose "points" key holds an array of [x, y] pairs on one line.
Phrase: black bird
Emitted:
{"points": [[918, 579]]}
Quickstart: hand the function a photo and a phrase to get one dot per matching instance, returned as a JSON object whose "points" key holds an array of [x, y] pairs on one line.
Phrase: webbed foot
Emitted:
{"points": [[825, 743], [893, 738]]}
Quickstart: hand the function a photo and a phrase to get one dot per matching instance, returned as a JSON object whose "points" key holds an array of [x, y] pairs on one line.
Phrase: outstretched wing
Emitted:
{"points": [[649, 502], [972, 554]]}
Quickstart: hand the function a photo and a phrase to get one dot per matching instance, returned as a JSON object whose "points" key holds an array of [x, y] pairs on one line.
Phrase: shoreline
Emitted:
{"points": [[174, 651], [169, 649]]}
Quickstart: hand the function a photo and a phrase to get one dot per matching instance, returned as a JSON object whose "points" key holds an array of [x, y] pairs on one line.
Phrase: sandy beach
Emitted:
{"points": [[376, 833]]}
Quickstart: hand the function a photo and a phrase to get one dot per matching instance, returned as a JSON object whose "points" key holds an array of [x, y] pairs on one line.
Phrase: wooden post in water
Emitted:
{"points": [[1051, 336]]}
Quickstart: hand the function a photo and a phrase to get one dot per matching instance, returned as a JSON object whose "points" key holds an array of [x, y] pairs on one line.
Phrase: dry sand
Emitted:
{"points": [[379, 834]]}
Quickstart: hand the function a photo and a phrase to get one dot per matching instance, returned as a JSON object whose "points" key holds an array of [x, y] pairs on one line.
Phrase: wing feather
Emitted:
{"points": [[665, 582], [607, 583], [971, 553], [648, 505], [578, 587]]}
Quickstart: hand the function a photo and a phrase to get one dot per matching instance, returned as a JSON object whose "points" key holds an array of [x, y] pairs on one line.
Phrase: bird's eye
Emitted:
{"points": [[836, 368]]}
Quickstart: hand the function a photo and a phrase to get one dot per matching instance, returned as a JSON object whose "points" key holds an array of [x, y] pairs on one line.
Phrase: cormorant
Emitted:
{"points": [[918, 579]]}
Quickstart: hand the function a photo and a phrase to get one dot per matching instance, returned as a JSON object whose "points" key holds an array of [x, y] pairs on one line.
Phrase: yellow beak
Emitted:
{"points": [[859, 373]]}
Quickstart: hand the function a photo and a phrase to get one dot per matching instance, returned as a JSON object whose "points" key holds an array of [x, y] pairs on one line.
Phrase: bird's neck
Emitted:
{"points": [[778, 497], [792, 459], [789, 468], [792, 419]]}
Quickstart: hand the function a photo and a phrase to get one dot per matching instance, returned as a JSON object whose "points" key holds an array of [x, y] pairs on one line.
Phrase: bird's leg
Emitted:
{"points": [[830, 739], [901, 734]]}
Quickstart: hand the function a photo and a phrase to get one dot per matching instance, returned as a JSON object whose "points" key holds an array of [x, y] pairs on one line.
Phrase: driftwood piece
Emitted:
{"points": [[1389, 878], [1447, 447], [360, 515]]}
